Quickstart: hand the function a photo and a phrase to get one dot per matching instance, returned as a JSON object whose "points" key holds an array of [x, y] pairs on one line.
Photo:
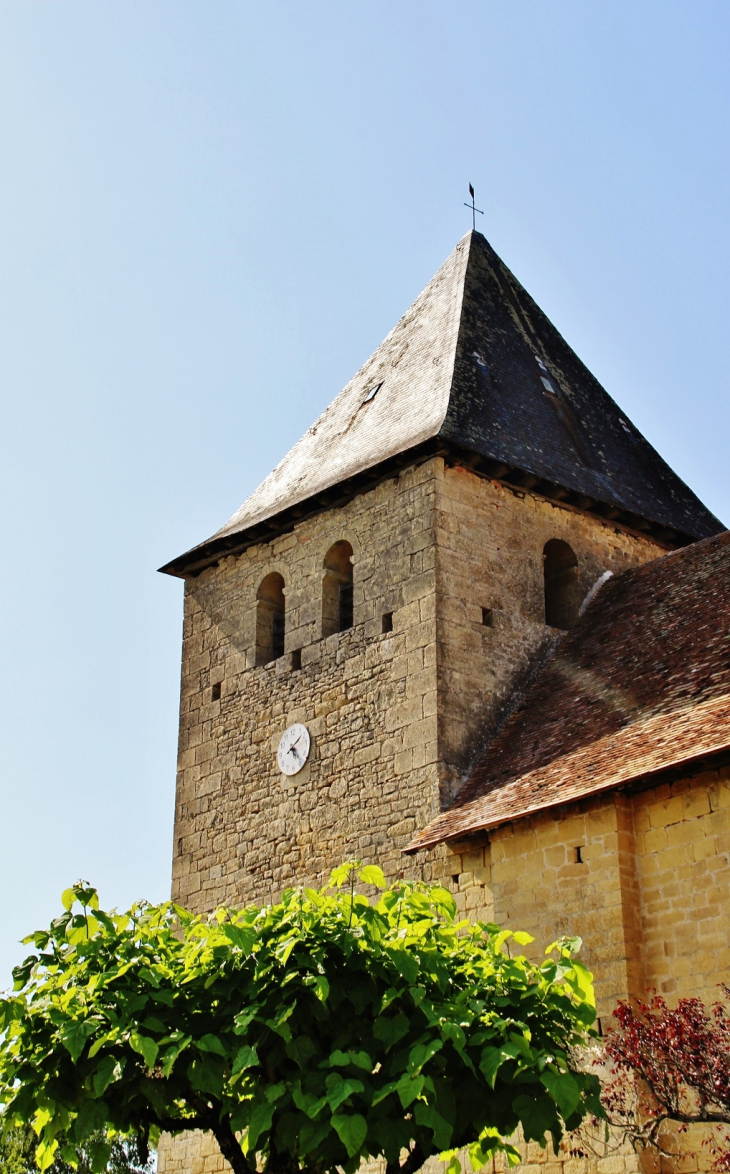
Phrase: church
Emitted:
{"points": [[474, 629]]}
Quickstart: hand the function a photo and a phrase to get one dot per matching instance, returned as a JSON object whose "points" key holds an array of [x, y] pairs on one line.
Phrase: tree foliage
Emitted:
{"points": [[670, 1065], [305, 1035], [17, 1150], [18, 1147]]}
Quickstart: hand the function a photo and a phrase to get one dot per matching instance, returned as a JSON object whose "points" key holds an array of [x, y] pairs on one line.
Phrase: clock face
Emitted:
{"points": [[293, 749]]}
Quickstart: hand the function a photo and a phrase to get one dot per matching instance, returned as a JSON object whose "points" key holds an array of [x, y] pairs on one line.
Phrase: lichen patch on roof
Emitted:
{"points": [[641, 684]]}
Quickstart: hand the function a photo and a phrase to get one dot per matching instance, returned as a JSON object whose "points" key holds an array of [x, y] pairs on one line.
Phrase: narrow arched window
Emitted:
{"points": [[337, 589], [562, 589], [270, 619]]}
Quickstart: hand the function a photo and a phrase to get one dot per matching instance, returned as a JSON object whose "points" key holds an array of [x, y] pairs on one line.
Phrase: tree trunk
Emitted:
{"points": [[229, 1146]]}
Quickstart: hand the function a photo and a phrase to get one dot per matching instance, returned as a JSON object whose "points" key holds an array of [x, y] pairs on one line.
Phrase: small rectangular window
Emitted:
{"points": [[577, 855], [387, 621], [296, 659], [487, 617], [372, 393], [215, 692]]}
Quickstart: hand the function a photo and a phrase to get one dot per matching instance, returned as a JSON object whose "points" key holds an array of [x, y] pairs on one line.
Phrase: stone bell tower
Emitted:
{"points": [[392, 582]]}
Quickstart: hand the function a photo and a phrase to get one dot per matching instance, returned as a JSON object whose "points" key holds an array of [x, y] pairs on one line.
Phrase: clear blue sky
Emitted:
{"points": [[210, 214]]}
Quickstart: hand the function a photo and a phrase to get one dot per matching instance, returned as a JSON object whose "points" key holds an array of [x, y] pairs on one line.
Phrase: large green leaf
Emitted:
{"points": [[108, 1069], [246, 1057], [340, 1059], [429, 1116], [92, 1118], [75, 1035], [210, 1043], [352, 1131], [405, 962], [409, 1087], [537, 1116], [45, 1153], [99, 1155], [340, 1089], [491, 1061], [147, 1048], [243, 937], [391, 1028], [563, 1088], [261, 1119], [312, 1133], [422, 1053]]}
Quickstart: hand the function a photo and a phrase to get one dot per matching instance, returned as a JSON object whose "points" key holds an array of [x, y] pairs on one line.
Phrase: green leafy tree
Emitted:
{"points": [[17, 1150], [305, 1036], [18, 1154]]}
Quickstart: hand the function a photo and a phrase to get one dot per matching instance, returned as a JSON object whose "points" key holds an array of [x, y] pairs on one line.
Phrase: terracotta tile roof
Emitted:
{"points": [[473, 366], [641, 684]]}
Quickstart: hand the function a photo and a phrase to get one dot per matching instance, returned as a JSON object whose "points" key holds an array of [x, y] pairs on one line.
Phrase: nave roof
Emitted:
{"points": [[640, 686]]}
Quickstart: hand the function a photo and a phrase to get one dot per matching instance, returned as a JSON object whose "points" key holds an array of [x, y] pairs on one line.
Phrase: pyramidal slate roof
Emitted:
{"points": [[473, 367]]}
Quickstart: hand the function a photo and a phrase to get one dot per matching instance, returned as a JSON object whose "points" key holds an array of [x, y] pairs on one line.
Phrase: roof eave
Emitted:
{"points": [[193, 561], [335, 496], [681, 768]]}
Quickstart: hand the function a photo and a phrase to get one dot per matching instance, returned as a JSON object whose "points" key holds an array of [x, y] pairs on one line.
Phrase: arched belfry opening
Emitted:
{"points": [[337, 589], [562, 589], [270, 618]]}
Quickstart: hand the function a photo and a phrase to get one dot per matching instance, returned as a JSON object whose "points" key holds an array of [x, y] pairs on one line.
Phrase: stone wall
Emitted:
{"points": [[573, 871], [395, 716], [683, 849], [190, 1153], [245, 831], [650, 894], [489, 557], [643, 878]]}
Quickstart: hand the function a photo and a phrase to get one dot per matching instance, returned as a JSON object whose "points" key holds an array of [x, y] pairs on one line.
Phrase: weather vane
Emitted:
{"points": [[474, 208]]}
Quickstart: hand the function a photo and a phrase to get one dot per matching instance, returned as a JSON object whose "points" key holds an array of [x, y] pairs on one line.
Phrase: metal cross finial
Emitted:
{"points": [[474, 209]]}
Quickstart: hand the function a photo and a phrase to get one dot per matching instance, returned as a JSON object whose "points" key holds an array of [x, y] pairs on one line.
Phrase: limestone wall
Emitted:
{"points": [[395, 716], [650, 896], [489, 555], [683, 848], [535, 882], [244, 830]]}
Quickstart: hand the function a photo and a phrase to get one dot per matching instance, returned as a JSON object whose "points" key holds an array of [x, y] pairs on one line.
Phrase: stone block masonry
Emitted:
{"points": [[489, 557], [243, 830], [683, 850], [396, 716]]}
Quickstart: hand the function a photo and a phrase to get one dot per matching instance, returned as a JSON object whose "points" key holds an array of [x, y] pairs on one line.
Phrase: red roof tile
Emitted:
{"points": [[642, 683]]}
